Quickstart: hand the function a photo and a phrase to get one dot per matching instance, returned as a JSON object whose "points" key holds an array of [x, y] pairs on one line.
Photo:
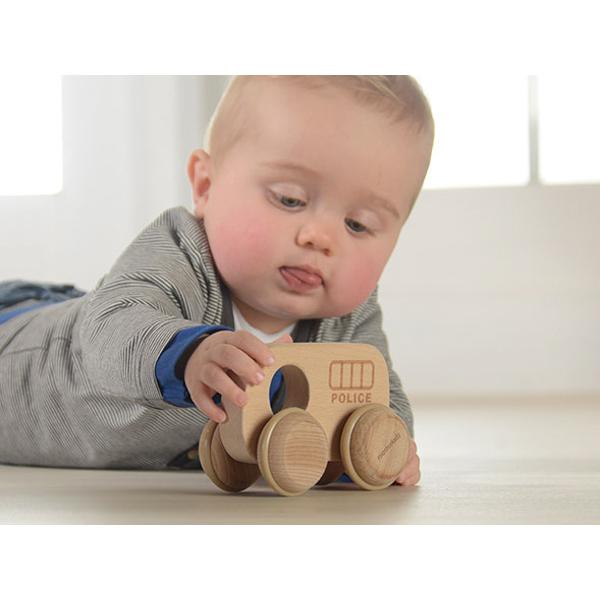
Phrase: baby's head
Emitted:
{"points": [[304, 185]]}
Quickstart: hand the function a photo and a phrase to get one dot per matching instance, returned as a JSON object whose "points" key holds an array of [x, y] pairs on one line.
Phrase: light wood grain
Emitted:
{"points": [[325, 384], [333, 471], [328, 380], [292, 452], [225, 472], [374, 446]]}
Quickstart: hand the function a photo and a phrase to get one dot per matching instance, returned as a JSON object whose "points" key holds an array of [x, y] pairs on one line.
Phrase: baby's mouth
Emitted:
{"points": [[301, 279]]}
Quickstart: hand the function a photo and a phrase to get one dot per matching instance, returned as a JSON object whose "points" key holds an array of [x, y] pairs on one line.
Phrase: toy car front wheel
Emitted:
{"points": [[292, 451], [374, 446]]}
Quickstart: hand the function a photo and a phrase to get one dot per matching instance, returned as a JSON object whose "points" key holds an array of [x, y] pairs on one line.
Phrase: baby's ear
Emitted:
{"points": [[199, 175]]}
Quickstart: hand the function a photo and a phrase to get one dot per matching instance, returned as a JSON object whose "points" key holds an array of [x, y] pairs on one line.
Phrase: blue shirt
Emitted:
{"points": [[169, 366]]}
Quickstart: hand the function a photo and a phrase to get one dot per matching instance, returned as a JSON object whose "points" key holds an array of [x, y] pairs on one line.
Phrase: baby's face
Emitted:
{"points": [[306, 208]]}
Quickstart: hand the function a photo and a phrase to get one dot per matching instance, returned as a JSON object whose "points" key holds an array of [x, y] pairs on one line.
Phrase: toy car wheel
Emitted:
{"points": [[374, 446], [292, 451], [225, 472], [333, 472]]}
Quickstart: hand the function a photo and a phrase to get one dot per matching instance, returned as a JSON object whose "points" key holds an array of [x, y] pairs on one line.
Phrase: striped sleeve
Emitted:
{"points": [[369, 330], [152, 293]]}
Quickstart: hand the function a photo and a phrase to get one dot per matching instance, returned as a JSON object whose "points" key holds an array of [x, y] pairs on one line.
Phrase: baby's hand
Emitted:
{"points": [[225, 362], [411, 474]]}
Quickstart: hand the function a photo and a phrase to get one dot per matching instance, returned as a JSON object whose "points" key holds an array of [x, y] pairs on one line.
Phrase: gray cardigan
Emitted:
{"points": [[78, 386]]}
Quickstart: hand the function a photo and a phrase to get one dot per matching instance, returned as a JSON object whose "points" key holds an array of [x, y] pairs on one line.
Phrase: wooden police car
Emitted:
{"points": [[335, 418]]}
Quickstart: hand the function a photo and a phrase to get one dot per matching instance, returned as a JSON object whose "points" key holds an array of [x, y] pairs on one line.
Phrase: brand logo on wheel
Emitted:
{"points": [[388, 446]]}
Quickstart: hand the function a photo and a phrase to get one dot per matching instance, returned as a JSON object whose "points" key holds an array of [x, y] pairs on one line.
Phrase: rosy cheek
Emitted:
{"points": [[358, 282], [255, 243], [238, 244]]}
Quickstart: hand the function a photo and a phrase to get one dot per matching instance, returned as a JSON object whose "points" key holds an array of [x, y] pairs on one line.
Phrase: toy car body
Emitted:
{"points": [[335, 417]]}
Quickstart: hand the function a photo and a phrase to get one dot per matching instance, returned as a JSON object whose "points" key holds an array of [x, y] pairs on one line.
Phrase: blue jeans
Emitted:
{"points": [[17, 291]]}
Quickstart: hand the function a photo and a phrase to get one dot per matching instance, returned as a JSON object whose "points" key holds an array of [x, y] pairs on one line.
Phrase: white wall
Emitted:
{"points": [[497, 291], [490, 291], [126, 144]]}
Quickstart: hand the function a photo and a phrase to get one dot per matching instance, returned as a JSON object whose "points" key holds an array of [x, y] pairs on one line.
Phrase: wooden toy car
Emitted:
{"points": [[335, 418]]}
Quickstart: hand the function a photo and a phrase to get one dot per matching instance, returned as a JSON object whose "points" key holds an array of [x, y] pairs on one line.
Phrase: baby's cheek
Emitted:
{"points": [[240, 248], [358, 283], [260, 241]]}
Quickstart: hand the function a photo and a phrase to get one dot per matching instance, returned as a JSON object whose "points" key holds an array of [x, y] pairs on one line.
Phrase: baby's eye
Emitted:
{"points": [[289, 202], [355, 226]]}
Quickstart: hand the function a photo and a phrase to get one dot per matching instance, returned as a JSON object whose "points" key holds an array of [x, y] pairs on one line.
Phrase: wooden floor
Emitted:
{"points": [[505, 462]]}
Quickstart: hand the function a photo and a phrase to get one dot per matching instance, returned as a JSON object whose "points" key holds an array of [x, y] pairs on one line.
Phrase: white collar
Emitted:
{"points": [[240, 323]]}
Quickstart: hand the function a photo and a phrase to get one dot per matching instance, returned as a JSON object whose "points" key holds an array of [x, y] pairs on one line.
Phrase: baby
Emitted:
{"points": [[299, 197]]}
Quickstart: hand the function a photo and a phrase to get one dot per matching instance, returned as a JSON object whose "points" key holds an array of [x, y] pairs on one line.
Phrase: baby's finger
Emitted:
{"points": [[201, 396], [231, 358], [214, 377], [252, 346], [405, 478], [412, 449], [410, 471], [412, 480]]}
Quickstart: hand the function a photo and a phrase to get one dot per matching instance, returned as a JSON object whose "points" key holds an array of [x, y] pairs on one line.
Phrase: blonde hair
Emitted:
{"points": [[399, 97]]}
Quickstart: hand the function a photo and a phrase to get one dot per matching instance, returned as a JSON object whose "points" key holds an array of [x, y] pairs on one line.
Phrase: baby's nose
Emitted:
{"points": [[317, 237]]}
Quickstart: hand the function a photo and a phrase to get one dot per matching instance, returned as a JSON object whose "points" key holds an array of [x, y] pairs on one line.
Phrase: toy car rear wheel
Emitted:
{"points": [[333, 472], [226, 473], [292, 451], [374, 446]]}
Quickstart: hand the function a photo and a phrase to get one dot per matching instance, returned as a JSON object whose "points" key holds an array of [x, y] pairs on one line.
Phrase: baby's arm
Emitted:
{"points": [[157, 289], [369, 330], [366, 328]]}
